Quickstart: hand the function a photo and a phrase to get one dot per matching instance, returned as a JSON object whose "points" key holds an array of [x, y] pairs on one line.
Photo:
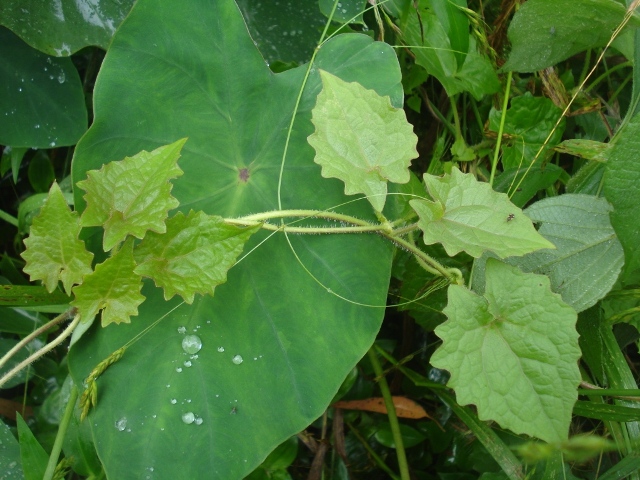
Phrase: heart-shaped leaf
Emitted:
{"points": [[469, 216], [361, 139], [512, 352], [293, 341]]}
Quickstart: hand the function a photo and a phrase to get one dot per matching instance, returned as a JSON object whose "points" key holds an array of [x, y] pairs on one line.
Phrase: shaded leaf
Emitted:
{"points": [[34, 458], [405, 407], [537, 179], [193, 256], [54, 251], [512, 352], [133, 195], [467, 215], [543, 33], [430, 42], [42, 100], [113, 288], [588, 257], [10, 458], [63, 27], [620, 187], [361, 139], [410, 436], [347, 11], [528, 121]]}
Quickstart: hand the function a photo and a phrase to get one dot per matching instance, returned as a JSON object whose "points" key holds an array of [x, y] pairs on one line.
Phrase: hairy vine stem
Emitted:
{"points": [[43, 351]]}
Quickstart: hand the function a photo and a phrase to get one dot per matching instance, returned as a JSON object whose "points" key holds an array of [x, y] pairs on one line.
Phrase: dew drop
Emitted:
{"points": [[188, 417], [199, 421], [121, 424], [179, 369], [173, 401], [182, 330], [221, 349], [191, 344], [187, 363], [237, 359]]}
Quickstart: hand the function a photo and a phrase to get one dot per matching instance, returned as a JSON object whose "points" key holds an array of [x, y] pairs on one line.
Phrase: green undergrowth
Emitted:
{"points": [[346, 240]]}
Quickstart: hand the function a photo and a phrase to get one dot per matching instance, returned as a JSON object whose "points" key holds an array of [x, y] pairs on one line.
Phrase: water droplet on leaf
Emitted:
{"points": [[188, 417], [121, 424], [237, 359], [191, 344]]}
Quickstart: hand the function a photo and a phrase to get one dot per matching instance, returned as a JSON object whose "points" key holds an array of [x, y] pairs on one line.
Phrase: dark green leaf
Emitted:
{"points": [[10, 457], [62, 27], [42, 99], [536, 179], [621, 180], [605, 411], [410, 436], [34, 458], [545, 32], [20, 295], [347, 11], [7, 344]]}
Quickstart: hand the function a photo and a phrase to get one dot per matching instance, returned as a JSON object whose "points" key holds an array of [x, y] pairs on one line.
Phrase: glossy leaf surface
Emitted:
{"points": [[133, 195], [467, 215], [41, 98], [54, 251], [63, 27], [512, 352], [113, 289], [361, 139], [193, 256], [297, 341], [10, 457]]}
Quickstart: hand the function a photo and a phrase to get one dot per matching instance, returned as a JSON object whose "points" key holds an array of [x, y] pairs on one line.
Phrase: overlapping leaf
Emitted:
{"points": [[193, 256], [588, 257], [622, 174], [132, 196], [113, 288], [361, 139], [543, 32], [512, 352], [467, 215], [54, 251], [528, 122], [436, 45]]}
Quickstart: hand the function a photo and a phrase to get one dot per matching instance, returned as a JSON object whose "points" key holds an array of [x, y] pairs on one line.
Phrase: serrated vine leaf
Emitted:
{"points": [[512, 352], [467, 215], [193, 256], [54, 251], [113, 288], [361, 139], [132, 196]]}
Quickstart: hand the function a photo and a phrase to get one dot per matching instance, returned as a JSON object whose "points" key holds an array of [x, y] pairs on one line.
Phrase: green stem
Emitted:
{"points": [[260, 217], [44, 350], [391, 413], [503, 116], [8, 218], [404, 230], [36, 333], [62, 430]]}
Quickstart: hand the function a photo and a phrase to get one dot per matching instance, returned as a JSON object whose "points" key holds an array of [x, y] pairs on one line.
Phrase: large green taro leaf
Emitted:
{"points": [[297, 340]]}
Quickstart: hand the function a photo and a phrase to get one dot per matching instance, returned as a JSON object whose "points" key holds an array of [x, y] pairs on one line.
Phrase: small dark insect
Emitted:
{"points": [[233, 411], [510, 217]]}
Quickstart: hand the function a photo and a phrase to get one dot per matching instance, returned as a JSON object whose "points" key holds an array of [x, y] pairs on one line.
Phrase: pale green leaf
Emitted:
{"points": [[512, 352], [361, 139], [620, 186], [193, 256], [113, 288], [132, 196], [467, 215], [588, 256], [54, 251]]}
